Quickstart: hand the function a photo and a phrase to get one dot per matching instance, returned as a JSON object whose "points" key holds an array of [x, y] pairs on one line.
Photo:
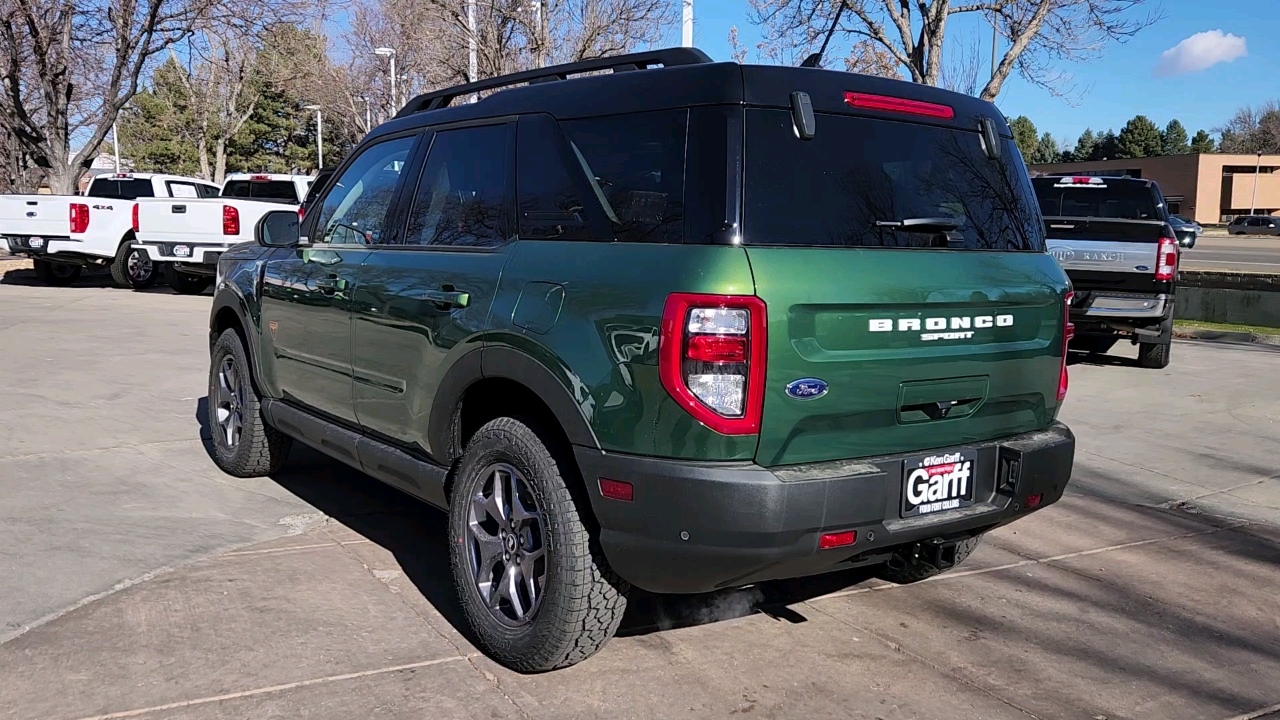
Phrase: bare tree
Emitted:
{"points": [[1253, 130], [82, 60], [1040, 33]]}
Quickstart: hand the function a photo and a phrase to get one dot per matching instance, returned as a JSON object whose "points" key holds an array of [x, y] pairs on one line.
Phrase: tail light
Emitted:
{"points": [[79, 218], [135, 217], [1167, 259], [711, 359], [230, 220], [1068, 332], [302, 213]]}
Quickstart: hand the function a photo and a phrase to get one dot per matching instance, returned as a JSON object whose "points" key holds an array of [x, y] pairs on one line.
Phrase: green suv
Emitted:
{"points": [[657, 322]]}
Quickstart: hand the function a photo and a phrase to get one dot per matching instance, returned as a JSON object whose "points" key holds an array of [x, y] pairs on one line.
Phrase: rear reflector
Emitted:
{"points": [[835, 540], [617, 490], [1034, 500], [898, 105]]}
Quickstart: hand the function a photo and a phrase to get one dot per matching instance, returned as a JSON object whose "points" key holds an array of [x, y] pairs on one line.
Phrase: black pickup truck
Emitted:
{"points": [[1112, 236]]}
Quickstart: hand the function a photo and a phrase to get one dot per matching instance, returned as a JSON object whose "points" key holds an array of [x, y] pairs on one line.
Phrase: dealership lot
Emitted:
{"points": [[138, 581]]}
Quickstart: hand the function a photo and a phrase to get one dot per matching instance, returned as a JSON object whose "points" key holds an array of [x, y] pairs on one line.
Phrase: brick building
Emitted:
{"points": [[1209, 188]]}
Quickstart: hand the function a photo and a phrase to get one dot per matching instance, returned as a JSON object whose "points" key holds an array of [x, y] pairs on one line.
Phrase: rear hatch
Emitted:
{"points": [[890, 340], [1105, 232]]}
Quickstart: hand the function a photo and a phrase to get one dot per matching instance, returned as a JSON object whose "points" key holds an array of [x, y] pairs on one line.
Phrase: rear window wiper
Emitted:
{"points": [[921, 224]]}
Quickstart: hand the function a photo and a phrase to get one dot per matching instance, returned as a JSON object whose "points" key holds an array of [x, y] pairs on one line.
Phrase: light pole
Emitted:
{"points": [[687, 34], [368, 115], [1256, 170], [387, 52], [319, 136], [115, 143], [473, 63]]}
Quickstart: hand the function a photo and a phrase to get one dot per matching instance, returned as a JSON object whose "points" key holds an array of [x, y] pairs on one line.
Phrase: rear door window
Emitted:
{"points": [[857, 181], [461, 198], [182, 190], [209, 191]]}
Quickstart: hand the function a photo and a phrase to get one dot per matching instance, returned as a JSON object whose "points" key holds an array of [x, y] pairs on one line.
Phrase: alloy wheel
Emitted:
{"points": [[507, 545], [139, 265], [228, 402]]}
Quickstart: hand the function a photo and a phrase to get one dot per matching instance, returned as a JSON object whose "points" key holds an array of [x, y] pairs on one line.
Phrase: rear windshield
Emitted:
{"points": [[1118, 200], [121, 188], [281, 191], [857, 172]]}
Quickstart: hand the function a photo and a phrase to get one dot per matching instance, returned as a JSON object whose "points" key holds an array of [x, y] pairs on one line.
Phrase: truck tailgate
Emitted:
{"points": [[28, 215], [193, 221]]}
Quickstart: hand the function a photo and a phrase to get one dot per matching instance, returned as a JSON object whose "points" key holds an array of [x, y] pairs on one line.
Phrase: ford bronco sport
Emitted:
{"points": [[680, 328]]}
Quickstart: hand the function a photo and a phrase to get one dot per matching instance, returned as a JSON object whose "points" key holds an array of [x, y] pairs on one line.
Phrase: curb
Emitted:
{"points": [[1226, 336]]}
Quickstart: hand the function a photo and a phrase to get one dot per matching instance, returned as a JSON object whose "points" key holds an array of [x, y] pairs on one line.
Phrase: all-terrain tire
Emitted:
{"points": [[1153, 355], [582, 600], [185, 284], [59, 274], [260, 449], [121, 273], [902, 572]]}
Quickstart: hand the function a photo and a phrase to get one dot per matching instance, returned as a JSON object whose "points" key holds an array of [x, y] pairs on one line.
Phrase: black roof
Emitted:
{"points": [[676, 77]]}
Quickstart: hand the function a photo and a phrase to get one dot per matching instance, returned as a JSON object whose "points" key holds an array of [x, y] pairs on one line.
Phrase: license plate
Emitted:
{"points": [[36, 242], [939, 481]]}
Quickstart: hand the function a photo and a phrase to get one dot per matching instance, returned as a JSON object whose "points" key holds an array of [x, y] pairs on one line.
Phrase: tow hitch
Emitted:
{"points": [[937, 553]]}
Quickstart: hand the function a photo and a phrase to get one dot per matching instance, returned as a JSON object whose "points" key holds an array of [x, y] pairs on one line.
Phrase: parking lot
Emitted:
{"points": [[139, 581]]}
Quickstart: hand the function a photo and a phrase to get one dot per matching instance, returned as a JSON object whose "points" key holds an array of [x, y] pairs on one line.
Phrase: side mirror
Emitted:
{"points": [[278, 228]]}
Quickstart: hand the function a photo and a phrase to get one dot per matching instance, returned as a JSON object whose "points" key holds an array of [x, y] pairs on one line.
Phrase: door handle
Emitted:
{"points": [[331, 284], [448, 298]]}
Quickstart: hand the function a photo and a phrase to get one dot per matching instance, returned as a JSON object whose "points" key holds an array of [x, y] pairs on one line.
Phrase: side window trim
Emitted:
{"points": [[309, 222]]}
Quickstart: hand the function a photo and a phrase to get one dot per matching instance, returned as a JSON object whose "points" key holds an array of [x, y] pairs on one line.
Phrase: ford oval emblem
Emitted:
{"points": [[807, 388], [1141, 268]]}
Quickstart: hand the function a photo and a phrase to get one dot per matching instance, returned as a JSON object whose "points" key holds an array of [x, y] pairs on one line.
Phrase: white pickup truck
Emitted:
{"points": [[65, 233], [189, 235]]}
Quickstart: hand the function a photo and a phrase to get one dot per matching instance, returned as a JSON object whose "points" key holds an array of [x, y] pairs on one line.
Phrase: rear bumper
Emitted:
{"points": [[199, 254], [21, 244], [1143, 317], [695, 527]]}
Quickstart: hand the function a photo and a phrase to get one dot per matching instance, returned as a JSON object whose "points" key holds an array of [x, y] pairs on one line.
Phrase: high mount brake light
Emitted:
{"points": [[1167, 259], [79, 218], [1068, 332], [898, 105], [711, 359], [230, 220]]}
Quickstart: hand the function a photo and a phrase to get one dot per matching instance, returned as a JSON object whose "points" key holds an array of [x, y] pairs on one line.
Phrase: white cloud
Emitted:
{"points": [[1202, 50]]}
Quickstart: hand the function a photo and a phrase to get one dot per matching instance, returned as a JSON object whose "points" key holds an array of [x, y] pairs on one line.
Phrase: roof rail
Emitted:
{"points": [[668, 57]]}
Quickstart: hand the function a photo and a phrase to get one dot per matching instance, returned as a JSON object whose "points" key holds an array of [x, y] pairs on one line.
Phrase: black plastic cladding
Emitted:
{"points": [[687, 85]]}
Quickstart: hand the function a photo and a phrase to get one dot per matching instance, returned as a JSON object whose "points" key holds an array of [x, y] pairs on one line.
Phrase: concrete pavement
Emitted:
{"points": [[1148, 592]]}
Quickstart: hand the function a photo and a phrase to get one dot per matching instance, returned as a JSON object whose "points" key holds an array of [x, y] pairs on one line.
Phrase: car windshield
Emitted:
{"points": [[281, 191], [863, 182]]}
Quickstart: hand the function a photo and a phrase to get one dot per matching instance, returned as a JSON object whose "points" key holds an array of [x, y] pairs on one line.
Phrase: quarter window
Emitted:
{"points": [[461, 198], [355, 209]]}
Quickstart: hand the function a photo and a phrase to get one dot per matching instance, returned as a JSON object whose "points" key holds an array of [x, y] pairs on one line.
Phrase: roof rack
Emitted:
{"points": [[668, 57]]}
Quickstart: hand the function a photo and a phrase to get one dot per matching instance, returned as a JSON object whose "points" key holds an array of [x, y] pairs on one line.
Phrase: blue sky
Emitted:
{"points": [[1124, 82]]}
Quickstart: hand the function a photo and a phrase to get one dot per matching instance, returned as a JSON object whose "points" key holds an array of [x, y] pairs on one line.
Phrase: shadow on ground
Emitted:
{"points": [[415, 533]]}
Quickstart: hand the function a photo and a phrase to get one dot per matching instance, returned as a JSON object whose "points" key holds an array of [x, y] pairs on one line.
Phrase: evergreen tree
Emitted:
{"points": [[1106, 148], [1202, 142], [1047, 150], [157, 135], [1138, 138], [1173, 141], [1084, 146], [1026, 137]]}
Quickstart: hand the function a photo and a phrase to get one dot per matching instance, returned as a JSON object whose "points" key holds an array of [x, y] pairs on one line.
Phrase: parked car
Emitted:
{"points": [[1114, 240], [666, 328], [1185, 229], [186, 237], [65, 233], [1254, 225]]}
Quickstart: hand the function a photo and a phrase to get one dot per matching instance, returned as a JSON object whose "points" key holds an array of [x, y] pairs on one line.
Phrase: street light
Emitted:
{"points": [[686, 38], [368, 115], [1256, 170], [387, 52], [319, 135]]}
